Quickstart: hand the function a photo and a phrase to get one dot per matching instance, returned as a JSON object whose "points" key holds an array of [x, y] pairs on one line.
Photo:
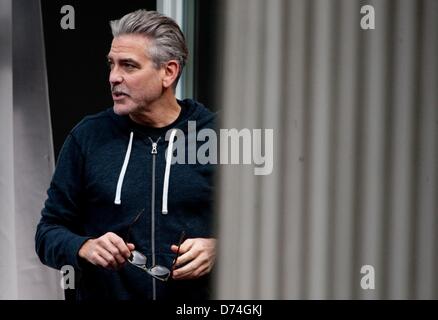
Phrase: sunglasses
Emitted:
{"points": [[139, 260]]}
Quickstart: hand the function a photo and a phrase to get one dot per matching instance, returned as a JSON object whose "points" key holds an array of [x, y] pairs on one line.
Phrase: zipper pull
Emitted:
{"points": [[154, 145], [154, 148]]}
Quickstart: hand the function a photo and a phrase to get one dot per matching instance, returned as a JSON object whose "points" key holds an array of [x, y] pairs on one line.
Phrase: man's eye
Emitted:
{"points": [[110, 64], [130, 66]]}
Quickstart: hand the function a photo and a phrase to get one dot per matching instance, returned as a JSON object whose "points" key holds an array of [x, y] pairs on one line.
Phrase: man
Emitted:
{"points": [[116, 197]]}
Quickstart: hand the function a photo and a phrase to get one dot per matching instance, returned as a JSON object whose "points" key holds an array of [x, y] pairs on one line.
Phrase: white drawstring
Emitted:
{"points": [[117, 199], [167, 172], [123, 171]]}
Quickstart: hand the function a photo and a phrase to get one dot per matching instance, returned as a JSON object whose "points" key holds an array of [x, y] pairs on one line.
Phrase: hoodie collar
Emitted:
{"points": [[190, 110]]}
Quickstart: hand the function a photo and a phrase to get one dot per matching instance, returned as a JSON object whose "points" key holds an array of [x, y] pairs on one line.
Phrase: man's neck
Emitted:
{"points": [[159, 114]]}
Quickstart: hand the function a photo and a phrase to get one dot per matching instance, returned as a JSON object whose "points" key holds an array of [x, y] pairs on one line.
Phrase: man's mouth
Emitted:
{"points": [[119, 95]]}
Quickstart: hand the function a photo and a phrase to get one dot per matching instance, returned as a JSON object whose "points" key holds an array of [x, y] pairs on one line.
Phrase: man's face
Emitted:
{"points": [[135, 82]]}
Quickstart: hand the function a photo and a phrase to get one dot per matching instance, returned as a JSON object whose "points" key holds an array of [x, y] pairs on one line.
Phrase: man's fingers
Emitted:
{"points": [[185, 258], [108, 251], [185, 246], [190, 267], [109, 258], [119, 244], [200, 261], [197, 258], [113, 250], [99, 261], [191, 271], [185, 255]]}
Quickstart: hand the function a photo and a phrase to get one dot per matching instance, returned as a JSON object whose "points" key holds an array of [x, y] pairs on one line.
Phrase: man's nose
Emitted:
{"points": [[115, 77]]}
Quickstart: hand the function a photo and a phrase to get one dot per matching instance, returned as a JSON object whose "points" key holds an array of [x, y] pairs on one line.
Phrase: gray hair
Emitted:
{"points": [[167, 40]]}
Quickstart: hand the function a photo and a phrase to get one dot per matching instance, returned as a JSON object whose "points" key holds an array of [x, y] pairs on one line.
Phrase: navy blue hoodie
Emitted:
{"points": [[91, 195]]}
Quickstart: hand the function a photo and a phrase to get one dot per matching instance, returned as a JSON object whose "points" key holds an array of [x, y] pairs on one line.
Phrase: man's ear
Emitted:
{"points": [[171, 71]]}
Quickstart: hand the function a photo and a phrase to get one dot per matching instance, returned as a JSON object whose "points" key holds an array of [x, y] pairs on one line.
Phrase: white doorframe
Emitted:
{"points": [[183, 12]]}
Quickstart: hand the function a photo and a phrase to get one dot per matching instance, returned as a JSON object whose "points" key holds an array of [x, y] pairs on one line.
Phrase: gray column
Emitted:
{"points": [[355, 177], [33, 150], [26, 159], [8, 267]]}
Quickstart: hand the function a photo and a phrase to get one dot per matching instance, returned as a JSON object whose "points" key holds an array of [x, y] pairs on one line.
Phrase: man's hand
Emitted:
{"points": [[108, 251], [196, 258]]}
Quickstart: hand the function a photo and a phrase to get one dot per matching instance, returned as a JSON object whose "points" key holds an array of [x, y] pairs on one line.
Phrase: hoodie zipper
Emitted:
{"points": [[154, 153]]}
